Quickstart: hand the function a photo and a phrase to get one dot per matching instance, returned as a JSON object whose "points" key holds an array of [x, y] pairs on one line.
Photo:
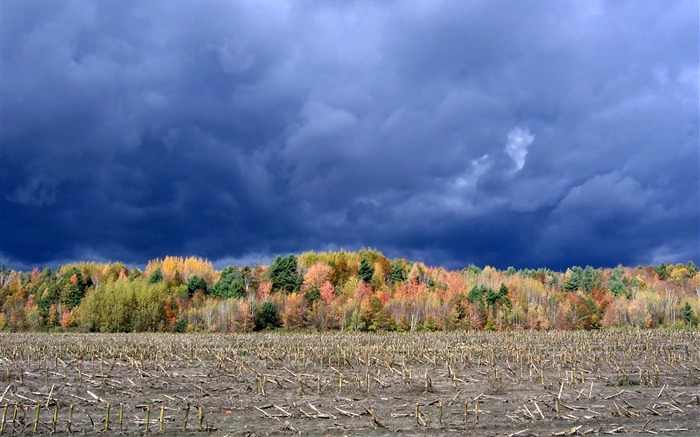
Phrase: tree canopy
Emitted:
{"points": [[345, 291]]}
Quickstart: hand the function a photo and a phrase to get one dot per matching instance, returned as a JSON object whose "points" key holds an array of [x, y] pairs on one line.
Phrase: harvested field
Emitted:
{"points": [[485, 384]]}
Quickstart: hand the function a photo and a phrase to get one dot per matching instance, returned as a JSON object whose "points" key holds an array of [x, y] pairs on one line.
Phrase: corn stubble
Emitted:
{"points": [[517, 384]]}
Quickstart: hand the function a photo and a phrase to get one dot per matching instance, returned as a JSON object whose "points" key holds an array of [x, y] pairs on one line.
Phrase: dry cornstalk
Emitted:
{"points": [[268, 415], [70, 417], [538, 409], [520, 433], [419, 418], [320, 414], [161, 418], [2, 398], [184, 421], [109, 406], [36, 418], [374, 418], [347, 413], [570, 431], [148, 416], [97, 398], [614, 395]]}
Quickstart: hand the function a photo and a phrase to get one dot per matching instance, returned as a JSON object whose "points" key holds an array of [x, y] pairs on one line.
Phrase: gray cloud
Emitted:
{"points": [[550, 133]]}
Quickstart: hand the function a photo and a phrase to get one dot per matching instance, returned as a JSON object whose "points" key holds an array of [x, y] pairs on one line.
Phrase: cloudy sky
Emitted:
{"points": [[524, 133]]}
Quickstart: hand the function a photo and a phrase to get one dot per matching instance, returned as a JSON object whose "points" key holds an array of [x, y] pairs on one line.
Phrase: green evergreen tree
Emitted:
{"points": [[471, 268], [398, 274], [48, 292], [313, 294], [156, 276], [574, 278], [494, 297], [366, 270], [503, 298], [617, 285], [284, 274], [618, 288], [478, 293], [588, 279], [230, 283], [73, 287], [196, 283], [662, 271], [689, 315], [266, 316]]}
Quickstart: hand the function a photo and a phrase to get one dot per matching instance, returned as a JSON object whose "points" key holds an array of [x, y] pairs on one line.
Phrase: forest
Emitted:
{"points": [[345, 291]]}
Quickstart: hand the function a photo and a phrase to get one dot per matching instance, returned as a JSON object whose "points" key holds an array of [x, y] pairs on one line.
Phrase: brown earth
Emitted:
{"points": [[509, 384]]}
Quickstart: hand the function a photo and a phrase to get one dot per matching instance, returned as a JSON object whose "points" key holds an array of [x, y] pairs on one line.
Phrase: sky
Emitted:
{"points": [[503, 133]]}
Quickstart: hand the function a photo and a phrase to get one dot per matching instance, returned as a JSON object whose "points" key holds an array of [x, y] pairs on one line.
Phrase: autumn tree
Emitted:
{"points": [[108, 308], [124, 306], [315, 278], [245, 316], [293, 315], [381, 318], [177, 270], [114, 272], [344, 290], [342, 267]]}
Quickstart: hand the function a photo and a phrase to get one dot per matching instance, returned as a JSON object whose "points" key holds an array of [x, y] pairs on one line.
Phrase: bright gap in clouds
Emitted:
{"points": [[518, 142]]}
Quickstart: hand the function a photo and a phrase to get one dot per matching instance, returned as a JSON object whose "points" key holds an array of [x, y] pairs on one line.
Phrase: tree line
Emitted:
{"points": [[343, 290]]}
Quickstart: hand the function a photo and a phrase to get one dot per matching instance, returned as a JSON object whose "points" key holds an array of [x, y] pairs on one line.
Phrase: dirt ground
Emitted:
{"points": [[345, 384]]}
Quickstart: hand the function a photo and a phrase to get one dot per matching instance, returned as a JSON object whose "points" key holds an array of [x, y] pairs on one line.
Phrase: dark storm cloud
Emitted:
{"points": [[516, 133]]}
